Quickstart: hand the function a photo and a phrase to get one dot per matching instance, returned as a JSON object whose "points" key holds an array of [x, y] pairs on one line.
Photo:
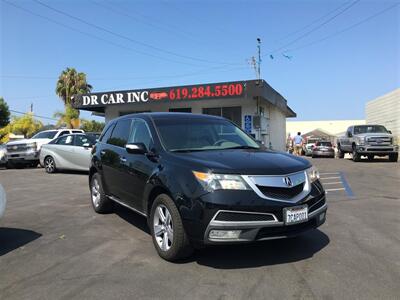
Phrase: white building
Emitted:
{"points": [[385, 110], [254, 105]]}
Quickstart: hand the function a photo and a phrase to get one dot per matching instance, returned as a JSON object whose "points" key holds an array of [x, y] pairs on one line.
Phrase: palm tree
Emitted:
{"points": [[71, 83]]}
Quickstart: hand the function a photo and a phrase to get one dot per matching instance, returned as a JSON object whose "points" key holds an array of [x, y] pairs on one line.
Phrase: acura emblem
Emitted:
{"points": [[288, 181]]}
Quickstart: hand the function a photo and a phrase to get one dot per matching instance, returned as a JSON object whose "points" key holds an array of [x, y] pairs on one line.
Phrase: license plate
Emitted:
{"points": [[296, 214]]}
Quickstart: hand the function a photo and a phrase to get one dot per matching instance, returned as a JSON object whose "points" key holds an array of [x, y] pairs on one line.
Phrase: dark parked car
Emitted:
{"points": [[323, 149], [201, 180]]}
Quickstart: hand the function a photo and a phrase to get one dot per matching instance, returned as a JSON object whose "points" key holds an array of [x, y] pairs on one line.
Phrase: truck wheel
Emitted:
{"points": [[10, 165], [101, 203], [50, 165], [356, 155], [169, 236], [393, 157], [340, 153]]}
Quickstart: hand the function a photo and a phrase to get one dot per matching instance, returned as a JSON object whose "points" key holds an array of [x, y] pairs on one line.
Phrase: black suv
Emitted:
{"points": [[201, 180]]}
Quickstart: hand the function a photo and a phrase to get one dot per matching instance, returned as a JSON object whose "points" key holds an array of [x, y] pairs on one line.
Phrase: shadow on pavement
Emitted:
{"points": [[265, 253], [132, 218], [13, 238]]}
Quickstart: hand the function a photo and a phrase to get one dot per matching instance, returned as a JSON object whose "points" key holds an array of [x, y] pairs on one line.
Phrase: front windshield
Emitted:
{"points": [[45, 135], [191, 134], [369, 129]]}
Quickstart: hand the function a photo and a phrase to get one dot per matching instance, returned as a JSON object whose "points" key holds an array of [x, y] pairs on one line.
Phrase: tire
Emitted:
{"points": [[165, 221], [370, 157], [50, 165], [100, 202], [394, 157], [313, 156], [356, 155], [10, 165], [340, 153]]}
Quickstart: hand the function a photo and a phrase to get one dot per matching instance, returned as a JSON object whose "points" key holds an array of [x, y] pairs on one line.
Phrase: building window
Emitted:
{"points": [[183, 110], [231, 113]]}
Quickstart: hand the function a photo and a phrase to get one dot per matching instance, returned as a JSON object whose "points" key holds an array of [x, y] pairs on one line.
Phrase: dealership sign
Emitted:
{"points": [[179, 93]]}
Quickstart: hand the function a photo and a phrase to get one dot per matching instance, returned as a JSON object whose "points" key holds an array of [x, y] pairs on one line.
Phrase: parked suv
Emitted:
{"points": [[201, 180], [369, 141], [26, 152]]}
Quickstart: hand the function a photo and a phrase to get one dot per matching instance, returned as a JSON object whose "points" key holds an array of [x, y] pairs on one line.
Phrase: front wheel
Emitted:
{"points": [[340, 153], [50, 165], [393, 157], [169, 236]]}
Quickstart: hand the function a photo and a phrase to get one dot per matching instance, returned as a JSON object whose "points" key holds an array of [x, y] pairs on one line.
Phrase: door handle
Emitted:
{"points": [[102, 152], [122, 159]]}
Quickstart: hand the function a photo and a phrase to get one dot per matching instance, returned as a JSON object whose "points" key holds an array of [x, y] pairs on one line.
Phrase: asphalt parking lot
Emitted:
{"points": [[53, 246]]}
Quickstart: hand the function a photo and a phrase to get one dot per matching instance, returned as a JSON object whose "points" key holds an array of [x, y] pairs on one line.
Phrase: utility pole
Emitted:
{"points": [[259, 59], [32, 107]]}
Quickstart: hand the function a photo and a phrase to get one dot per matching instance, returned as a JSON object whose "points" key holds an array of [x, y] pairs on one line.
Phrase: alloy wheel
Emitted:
{"points": [[50, 165], [163, 227], [96, 196]]}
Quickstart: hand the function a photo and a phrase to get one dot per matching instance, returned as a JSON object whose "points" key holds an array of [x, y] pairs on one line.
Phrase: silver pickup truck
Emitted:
{"points": [[369, 141]]}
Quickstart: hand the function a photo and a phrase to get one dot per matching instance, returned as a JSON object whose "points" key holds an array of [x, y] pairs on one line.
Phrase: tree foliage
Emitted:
{"points": [[4, 113], [70, 83], [25, 125], [69, 118], [92, 126]]}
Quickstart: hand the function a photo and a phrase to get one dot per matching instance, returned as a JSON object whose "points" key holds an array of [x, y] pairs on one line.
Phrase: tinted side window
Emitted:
{"points": [[107, 134], [80, 140], [141, 134], [120, 134]]}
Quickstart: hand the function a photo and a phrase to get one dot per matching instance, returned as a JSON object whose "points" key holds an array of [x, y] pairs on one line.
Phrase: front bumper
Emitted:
{"points": [[377, 150], [199, 215], [23, 157]]}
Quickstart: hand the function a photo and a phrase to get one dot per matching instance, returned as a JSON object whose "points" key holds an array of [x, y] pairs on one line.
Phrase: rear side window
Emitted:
{"points": [[120, 134], [107, 133], [65, 140]]}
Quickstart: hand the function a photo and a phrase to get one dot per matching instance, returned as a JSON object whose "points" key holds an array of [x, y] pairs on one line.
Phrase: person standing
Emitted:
{"points": [[298, 144]]}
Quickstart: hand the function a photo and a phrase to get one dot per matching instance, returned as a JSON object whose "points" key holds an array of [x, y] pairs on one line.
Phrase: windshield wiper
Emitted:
{"points": [[241, 147], [186, 150]]}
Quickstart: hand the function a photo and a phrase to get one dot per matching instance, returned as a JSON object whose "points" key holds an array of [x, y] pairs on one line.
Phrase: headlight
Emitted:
{"points": [[32, 145], [313, 174], [360, 140], [212, 182]]}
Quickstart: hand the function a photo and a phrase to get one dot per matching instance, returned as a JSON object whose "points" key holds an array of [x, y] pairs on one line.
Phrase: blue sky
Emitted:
{"points": [[140, 44]]}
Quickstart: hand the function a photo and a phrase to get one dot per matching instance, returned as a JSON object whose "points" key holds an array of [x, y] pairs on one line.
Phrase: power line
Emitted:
{"points": [[313, 22], [95, 36], [128, 38], [315, 28], [345, 29], [36, 116]]}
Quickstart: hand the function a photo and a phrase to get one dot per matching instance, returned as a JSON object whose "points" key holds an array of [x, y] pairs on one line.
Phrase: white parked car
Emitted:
{"points": [[26, 151], [68, 152], [2, 200]]}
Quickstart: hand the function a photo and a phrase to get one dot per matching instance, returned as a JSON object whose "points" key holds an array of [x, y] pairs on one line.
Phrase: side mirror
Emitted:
{"points": [[136, 148], [349, 134], [389, 131]]}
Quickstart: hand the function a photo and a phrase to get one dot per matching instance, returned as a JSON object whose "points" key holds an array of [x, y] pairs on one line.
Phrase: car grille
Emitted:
{"points": [[280, 192], [226, 216], [379, 140], [17, 148]]}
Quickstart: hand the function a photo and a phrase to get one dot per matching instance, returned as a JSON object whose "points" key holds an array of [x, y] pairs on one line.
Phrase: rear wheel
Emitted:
{"points": [[101, 203], [356, 155], [50, 165], [393, 157], [169, 236]]}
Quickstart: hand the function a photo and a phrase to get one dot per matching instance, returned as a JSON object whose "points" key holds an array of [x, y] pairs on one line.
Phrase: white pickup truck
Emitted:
{"points": [[26, 152], [369, 141]]}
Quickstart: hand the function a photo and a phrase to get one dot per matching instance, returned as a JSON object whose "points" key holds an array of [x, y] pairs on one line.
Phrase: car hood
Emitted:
{"points": [[246, 162], [381, 134], [39, 142]]}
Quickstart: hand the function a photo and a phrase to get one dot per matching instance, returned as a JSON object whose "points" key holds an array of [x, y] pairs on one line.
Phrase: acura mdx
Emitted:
{"points": [[201, 180]]}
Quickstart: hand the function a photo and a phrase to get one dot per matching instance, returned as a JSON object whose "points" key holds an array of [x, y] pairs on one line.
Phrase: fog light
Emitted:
{"points": [[224, 234], [322, 216]]}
